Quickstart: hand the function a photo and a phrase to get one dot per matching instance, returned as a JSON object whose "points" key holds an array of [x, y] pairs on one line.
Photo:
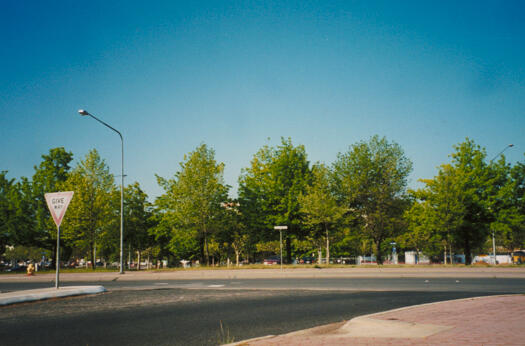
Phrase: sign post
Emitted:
{"points": [[280, 228], [57, 202]]}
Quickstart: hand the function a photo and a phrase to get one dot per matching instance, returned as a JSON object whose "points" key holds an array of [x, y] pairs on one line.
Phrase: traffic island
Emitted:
{"points": [[16, 297]]}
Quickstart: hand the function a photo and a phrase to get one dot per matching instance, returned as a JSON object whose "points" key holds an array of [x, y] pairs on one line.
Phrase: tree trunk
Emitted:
{"points": [[138, 260], [288, 250], [379, 254], [206, 251], [445, 254], [92, 253], [468, 257], [327, 246], [237, 253], [320, 255]]}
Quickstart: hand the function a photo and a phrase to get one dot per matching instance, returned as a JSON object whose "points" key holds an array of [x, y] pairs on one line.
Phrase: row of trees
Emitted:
{"points": [[357, 205]]}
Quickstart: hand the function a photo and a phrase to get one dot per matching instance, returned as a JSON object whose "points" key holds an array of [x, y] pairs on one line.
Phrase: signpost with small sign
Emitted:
{"points": [[280, 229], [57, 202]]}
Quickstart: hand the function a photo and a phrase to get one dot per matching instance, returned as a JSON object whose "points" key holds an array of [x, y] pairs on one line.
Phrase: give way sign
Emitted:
{"points": [[57, 202]]}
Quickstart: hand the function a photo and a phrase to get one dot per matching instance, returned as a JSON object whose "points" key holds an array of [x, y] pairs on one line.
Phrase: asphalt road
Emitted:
{"points": [[191, 312], [487, 285]]}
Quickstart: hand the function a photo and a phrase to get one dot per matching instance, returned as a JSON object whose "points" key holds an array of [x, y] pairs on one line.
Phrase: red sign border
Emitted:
{"points": [[68, 195]]}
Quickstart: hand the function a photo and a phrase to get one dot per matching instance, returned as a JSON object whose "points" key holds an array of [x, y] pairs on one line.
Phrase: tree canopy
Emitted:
{"points": [[192, 202], [370, 180], [356, 205]]}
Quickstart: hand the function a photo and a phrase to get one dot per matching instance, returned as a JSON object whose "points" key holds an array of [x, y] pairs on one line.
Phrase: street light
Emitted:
{"points": [[84, 113], [501, 152]]}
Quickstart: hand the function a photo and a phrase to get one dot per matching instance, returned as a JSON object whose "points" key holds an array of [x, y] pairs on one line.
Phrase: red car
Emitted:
{"points": [[272, 260]]}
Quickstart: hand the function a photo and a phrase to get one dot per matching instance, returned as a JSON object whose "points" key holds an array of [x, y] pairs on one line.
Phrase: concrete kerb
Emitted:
{"points": [[47, 293], [366, 324]]}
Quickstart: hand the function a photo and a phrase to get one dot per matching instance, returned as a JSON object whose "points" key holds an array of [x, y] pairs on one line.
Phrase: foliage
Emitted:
{"points": [[508, 204], [232, 232], [16, 213], [30, 253], [138, 219], [191, 205], [319, 205], [467, 199], [357, 205], [370, 180], [269, 192], [423, 229], [49, 175], [92, 218]]}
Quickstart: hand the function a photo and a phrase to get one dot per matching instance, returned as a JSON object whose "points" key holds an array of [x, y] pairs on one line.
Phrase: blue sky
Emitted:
{"points": [[171, 75]]}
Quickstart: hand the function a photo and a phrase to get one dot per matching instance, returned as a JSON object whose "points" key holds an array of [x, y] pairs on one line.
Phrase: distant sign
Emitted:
{"points": [[57, 202], [280, 227]]}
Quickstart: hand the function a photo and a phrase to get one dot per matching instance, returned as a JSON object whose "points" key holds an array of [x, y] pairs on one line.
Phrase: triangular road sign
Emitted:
{"points": [[57, 202]]}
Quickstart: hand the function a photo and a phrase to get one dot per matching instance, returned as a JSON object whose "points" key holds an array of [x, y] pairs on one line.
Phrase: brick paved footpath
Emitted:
{"points": [[496, 320]]}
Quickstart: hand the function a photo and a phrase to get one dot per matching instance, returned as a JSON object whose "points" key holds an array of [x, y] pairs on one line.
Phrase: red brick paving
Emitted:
{"points": [[497, 320]]}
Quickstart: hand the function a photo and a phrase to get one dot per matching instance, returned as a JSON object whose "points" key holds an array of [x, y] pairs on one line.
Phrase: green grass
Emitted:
{"points": [[274, 267], [65, 270], [223, 335]]}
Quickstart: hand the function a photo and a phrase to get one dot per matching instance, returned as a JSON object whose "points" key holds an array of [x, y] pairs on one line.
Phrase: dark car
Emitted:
{"points": [[306, 260], [272, 260], [17, 268]]}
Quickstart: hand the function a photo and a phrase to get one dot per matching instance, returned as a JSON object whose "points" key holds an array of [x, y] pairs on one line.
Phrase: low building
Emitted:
{"points": [[412, 257]]}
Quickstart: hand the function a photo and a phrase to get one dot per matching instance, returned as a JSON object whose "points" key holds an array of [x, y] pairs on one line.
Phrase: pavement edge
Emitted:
{"points": [[47, 293]]}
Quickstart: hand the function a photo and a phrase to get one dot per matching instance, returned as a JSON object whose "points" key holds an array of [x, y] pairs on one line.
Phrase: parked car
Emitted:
{"points": [[272, 260], [307, 260], [17, 268]]}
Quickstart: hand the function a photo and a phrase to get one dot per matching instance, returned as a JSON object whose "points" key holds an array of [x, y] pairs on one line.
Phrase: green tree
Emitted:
{"points": [[423, 232], [320, 205], [232, 231], [8, 222], [17, 226], [191, 204], [471, 180], [91, 218], [49, 175], [138, 219], [370, 180], [269, 192], [508, 204], [465, 198], [441, 213]]}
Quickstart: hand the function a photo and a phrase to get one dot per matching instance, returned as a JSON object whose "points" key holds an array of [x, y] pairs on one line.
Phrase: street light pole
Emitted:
{"points": [[86, 113]]}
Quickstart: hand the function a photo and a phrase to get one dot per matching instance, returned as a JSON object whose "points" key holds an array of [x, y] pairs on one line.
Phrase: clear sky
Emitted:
{"points": [[171, 75]]}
